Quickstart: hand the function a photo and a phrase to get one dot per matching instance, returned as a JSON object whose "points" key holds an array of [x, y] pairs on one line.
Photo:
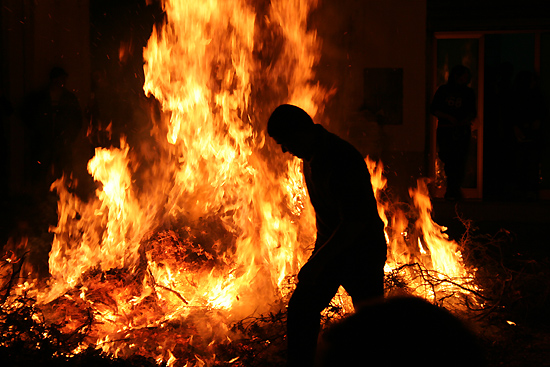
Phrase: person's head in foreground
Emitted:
{"points": [[400, 331]]}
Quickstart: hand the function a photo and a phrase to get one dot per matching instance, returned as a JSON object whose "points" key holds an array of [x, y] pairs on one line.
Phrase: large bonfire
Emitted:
{"points": [[209, 225]]}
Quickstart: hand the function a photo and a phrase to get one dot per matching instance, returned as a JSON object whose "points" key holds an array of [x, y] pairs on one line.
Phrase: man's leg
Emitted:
{"points": [[304, 316], [364, 282]]}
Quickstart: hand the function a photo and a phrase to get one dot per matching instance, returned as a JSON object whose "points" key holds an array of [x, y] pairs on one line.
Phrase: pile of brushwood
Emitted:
{"points": [[26, 338], [507, 310], [514, 323]]}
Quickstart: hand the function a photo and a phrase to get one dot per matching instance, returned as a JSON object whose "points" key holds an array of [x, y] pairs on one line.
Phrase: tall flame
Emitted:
{"points": [[424, 248], [210, 217], [200, 66], [213, 174]]}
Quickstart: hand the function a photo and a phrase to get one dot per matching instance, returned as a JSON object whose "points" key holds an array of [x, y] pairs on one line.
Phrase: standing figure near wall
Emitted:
{"points": [[454, 105], [526, 120], [54, 119]]}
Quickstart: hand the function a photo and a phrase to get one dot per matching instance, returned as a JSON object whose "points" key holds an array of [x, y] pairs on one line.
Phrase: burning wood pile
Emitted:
{"points": [[188, 251], [120, 316]]}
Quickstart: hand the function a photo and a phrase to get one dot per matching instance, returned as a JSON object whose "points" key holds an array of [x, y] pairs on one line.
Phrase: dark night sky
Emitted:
{"points": [[113, 22]]}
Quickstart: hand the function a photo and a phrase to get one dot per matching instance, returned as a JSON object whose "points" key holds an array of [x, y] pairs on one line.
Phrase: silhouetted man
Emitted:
{"points": [[350, 249], [454, 105], [54, 119]]}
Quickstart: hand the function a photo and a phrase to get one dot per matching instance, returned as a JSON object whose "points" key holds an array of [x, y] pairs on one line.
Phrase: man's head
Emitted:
{"points": [[460, 75], [58, 77], [292, 128]]}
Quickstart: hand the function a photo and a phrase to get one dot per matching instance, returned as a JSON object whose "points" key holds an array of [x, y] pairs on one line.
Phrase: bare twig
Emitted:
{"points": [[16, 269], [155, 284]]}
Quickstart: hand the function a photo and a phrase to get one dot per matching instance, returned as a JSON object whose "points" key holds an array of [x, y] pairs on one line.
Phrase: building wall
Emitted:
{"points": [[36, 36], [377, 34], [356, 35]]}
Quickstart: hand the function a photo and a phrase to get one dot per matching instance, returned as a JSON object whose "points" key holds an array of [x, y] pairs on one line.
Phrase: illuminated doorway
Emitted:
{"points": [[453, 49], [496, 60]]}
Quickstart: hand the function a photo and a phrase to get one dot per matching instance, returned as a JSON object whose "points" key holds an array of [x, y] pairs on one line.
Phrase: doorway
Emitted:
{"points": [[500, 165], [453, 49]]}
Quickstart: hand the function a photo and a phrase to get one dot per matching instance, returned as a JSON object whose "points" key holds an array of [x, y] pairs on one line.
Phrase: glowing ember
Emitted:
{"points": [[216, 226]]}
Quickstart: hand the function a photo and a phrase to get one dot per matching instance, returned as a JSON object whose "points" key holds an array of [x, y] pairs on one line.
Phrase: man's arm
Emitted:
{"points": [[357, 211], [339, 242]]}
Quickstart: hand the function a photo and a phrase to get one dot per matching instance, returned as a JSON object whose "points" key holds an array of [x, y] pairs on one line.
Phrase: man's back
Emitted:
{"points": [[339, 186]]}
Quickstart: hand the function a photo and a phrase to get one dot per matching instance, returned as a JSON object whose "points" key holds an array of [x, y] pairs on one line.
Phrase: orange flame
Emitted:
{"points": [[214, 174], [220, 220], [425, 245]]}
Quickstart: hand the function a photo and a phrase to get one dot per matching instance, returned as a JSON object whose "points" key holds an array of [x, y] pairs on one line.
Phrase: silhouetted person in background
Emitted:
{"points": [[100, 114], [526, 120], [54, 119], [350, 249], [6, 110], [496, 137], [454, 105], [400, 331]]}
